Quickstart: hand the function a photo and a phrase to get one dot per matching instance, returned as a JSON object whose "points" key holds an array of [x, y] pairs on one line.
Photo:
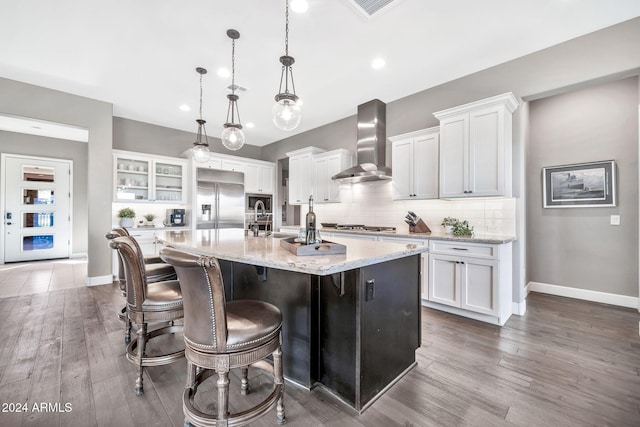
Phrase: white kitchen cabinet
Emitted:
{"points": [[259, 178], [212, 163], [141, 177], [473, 279], [147, 241], [414, 161], [325, 165], [301, 174], [475, 148], [233, 165]]}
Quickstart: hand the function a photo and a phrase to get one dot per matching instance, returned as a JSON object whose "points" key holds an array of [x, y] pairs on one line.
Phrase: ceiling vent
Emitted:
{"points": [[369, 7]]}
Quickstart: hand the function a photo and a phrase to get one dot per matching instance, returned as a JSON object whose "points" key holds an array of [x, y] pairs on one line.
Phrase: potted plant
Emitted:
{"points": [[126, 216], [149, 218], [448, 224], [462, 228]]}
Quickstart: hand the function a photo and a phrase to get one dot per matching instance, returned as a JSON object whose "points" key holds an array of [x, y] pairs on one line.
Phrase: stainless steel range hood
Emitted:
{"points": [[372, 139]]}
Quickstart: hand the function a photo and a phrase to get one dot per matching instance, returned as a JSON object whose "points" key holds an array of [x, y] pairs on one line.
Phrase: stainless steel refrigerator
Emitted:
{"points": [[219, 199]]}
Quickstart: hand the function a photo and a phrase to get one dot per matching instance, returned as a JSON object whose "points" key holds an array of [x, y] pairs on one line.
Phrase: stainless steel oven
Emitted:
{"points": [[252, 199]]}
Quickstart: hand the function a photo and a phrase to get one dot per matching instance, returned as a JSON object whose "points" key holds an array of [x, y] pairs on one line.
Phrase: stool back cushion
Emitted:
{"points": [[134, 271], [205, 320]]}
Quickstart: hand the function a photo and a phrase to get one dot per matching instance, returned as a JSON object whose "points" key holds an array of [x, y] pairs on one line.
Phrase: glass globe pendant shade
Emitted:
{"points": [[286, 114], [200, 150], [232, 138], [200, 153]]}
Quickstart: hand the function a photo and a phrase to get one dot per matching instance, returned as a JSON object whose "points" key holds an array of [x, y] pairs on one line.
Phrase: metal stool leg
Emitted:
{"points": [[278, 379], [244, 383], [223, 398], [142, 340]]}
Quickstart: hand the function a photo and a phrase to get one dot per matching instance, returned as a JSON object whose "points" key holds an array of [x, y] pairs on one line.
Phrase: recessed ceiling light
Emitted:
{"points": [[299, 6], [378, 63], [185, 107], [224, 72], [249, 125]]}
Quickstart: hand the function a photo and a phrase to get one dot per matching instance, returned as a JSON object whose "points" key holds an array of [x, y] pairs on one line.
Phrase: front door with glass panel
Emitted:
{"points": [[37, 206]]}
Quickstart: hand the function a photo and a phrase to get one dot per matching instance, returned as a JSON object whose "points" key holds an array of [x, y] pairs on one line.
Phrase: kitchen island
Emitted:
{"points": [[351, 322]]}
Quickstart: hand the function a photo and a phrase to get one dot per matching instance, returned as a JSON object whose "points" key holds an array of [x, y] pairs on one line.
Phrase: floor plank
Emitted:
{"points": [[564, 363]]}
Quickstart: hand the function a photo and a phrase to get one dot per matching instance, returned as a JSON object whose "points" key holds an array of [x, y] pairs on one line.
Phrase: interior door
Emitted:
{"points": [[37, 203]]}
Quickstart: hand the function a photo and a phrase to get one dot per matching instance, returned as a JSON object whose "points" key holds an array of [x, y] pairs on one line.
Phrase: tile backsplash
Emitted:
{"points": [[371, 204], [141, 209]]}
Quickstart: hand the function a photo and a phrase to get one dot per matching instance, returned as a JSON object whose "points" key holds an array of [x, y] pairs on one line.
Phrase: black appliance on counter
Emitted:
{"points": [[175, 218], [252, 199]]}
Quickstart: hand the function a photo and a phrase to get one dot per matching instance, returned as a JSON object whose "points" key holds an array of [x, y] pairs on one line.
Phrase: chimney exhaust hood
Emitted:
{"points": [[372, 139]]}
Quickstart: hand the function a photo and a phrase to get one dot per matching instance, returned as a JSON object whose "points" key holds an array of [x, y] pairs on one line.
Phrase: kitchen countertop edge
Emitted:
{"points": [[494, 239]]}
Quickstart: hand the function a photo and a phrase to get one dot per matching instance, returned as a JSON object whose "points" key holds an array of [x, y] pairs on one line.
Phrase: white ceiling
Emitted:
{"points": [[141, 55]]}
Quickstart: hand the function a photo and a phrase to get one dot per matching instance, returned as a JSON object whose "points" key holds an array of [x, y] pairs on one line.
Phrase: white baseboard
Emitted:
{"points": [[583, 294], [77, 255], [519, 308], [99, 280]]}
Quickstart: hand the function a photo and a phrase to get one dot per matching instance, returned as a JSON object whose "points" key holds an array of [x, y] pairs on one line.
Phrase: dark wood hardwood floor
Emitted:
{"points": [[565, 363]]}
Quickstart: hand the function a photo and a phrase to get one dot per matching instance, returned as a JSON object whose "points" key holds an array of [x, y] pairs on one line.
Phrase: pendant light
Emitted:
{"points": [[286, 111], [232, 135], [200, 150]]}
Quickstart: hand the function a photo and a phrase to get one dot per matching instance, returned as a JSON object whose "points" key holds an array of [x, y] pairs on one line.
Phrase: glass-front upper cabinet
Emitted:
{"points": [[168, 183], [144, 178], [132, 178]]}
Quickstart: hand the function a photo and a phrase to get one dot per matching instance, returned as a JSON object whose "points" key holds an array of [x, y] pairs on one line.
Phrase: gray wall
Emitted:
{"points": [[143, 137], [603, 56], [577, 247], [608, 54], [26, 100], [31, 145]]}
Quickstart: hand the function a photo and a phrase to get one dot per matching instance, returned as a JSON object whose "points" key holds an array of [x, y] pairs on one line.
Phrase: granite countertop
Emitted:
{"points": [[154, 228], [233, 245], [494, 239]]}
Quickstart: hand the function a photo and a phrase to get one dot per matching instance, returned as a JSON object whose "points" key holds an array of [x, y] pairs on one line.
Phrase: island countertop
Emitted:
{"points": [[233, 245]]}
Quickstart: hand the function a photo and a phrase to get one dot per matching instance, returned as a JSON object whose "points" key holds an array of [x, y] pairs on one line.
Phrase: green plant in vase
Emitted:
{"points": [[126, 216], [448, 224], [462, 228], [149, 218]]}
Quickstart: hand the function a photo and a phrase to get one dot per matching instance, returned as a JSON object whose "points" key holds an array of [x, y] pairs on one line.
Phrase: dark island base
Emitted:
{"points": [[354, 332]]}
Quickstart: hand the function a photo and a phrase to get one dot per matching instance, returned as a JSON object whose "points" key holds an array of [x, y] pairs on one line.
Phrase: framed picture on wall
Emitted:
{"points": [[579, 185]]}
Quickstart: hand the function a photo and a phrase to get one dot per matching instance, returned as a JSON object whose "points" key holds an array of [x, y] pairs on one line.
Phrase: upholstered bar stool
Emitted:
{"points": [[155, 271], [147, 303], [220, 336]]}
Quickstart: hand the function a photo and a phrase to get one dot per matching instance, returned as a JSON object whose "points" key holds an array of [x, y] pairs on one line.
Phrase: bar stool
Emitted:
{"points": [[155, 271], [147, 303], [220, 336]]}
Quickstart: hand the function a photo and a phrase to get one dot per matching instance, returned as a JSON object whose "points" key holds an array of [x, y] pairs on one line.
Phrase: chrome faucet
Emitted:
{"points": [[256, 227]]}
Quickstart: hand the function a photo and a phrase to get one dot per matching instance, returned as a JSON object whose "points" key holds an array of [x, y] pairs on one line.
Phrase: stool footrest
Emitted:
{"points": [[163, 359]]}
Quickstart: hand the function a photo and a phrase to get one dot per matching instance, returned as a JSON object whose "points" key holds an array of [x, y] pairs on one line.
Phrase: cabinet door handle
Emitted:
{"points": [[460, 249]]}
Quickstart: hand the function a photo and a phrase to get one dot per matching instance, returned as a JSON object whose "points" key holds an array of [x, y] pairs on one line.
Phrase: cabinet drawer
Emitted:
{"points": [[417, 242], [477, 250]]}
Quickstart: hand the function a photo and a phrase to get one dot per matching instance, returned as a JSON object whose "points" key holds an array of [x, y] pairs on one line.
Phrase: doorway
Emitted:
{"points": [[36, 206]]}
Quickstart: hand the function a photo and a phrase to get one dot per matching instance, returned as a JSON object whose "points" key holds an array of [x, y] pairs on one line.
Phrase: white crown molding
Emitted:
{"points": [[507, 99], [415, 133]]}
